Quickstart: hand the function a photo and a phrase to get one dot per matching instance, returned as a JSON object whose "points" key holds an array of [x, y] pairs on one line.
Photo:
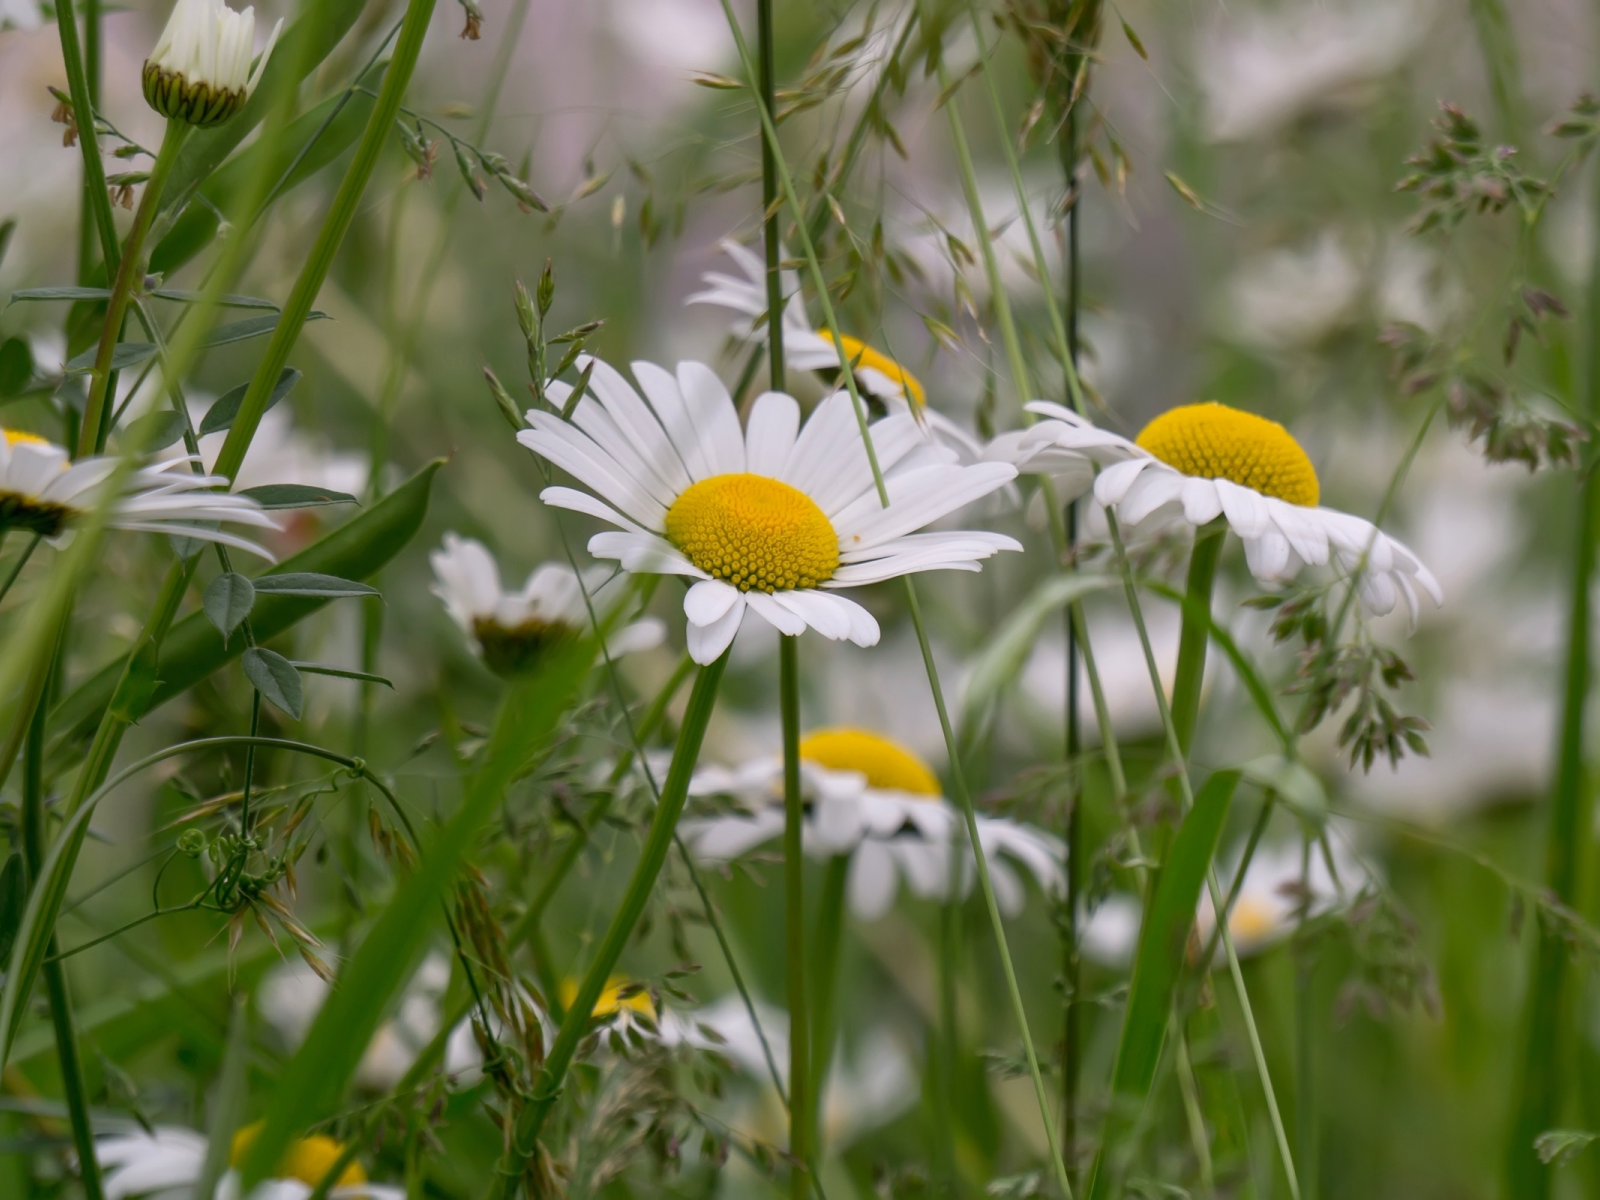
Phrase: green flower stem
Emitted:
{"points": [[95, 195], [801, 1106], [1305, 1086], [1548, 1020], [575, 1025], [1180, 761], [1195, 631], [827, 942], [130, 274], [958, 784], [374, 137]]}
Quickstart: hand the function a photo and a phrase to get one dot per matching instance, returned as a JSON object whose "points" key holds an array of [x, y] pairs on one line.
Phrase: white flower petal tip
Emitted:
{"points": [[511, 631], [668, 466], [199, 71], [1273, 507]]}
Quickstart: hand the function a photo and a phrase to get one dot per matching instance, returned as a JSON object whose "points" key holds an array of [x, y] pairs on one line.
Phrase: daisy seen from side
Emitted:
{"points": [[1201, 462], [873, 801], [775, 518]]}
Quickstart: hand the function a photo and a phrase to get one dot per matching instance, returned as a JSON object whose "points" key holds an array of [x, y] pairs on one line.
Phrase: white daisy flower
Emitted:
{"points": [[168, 1163], [876, 802], [1198, 462], [42, 491], [511, 630], [775, 518], [808, 349], [1266, 911], [199, 71]]}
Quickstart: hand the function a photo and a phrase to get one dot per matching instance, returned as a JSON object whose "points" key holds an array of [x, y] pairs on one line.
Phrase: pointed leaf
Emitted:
{"points": [[126, 354], [59, 293], [275, 677], [295, 495], [155, 431], [221, 414], [228, 601], [311, 583], [250, 327], [340, 672]]}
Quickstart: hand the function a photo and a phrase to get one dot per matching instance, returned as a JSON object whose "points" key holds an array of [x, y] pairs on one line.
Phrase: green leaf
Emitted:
{"points": [[311, 583], [320, 669], [228, 601], [226, 300], [126, 354], [316, 1077], [59, 293], [275, 677], [1556, 1146], [251, 327], [1163, 939], [1000, 660], [156, 431], [194, 649], [295, 495], [221, 414], [16, 366], [13, 899]]}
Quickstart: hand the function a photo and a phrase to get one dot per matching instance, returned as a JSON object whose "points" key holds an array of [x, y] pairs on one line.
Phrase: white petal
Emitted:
{"points": [[715, 419], [1113, 483], [872, 881], [770, 438], [709, 601], [775, 614], [707, 642]]}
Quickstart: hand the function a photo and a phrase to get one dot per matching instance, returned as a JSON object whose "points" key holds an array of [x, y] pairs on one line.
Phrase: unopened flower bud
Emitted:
{"points": [[199, 71]]}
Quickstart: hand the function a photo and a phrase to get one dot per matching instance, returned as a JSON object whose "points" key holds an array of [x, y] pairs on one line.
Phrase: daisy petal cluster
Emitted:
{"points": [[808, 349], [199, 71], [773, 519], [42, 491], [1201, 462], [873, 801], [511, 630]]}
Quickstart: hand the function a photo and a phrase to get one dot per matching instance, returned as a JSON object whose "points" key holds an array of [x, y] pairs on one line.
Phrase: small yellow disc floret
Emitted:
{"points": [[306, 1160], [886, 764], [755, 532], [16, 436], [1213, 441], [858, 354], [611, 1001]]}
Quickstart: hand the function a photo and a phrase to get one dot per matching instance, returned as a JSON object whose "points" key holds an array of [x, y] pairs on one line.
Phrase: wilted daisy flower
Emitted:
{"points": [[774, 518], [169, 1162], [1266, 911], [199, 71], [1198, 462], [876, 802], [513, 629], [42, 491], [808, 349]]}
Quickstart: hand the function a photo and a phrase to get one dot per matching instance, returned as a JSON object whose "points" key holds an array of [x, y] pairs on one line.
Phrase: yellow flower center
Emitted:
{"points": [[610, 1002], [15, 436], [754, 532], [858, 354], [1252, 918], [1213, 441], [887, 765], [306, 1160]]}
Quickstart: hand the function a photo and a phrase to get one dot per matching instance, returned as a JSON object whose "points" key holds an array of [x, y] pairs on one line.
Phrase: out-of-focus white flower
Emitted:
{"points": [[513, 629], [42, 491], [199, 71], [1296, 295], [808, 349], [293, 994], [1199, 462], [1262, 71], [1276, 883], [774, 518], [875, 802], [169, 1162], [20, 14], [281, 452]]}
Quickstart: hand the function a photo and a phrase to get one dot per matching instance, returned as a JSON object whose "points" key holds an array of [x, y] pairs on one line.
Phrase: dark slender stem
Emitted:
{"points": [[801, 1104], [94, 171], [1305, 1117], [769, 196]]}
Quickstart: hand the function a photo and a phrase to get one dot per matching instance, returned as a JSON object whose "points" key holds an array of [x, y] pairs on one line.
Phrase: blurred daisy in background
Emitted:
{"points": [[806, 349], [168, 1161], [875, 802], [1199, 462], [512, 630], [773, 518], [42, 491]]}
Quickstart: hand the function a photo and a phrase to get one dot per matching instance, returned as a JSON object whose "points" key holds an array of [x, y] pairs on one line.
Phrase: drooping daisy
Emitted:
{"points": [[169, 1162], [808, 349], [512, 630], [1266, 911], [42, 491], [1199, 462], [874, 801], [199, 71], [775, 518]]}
